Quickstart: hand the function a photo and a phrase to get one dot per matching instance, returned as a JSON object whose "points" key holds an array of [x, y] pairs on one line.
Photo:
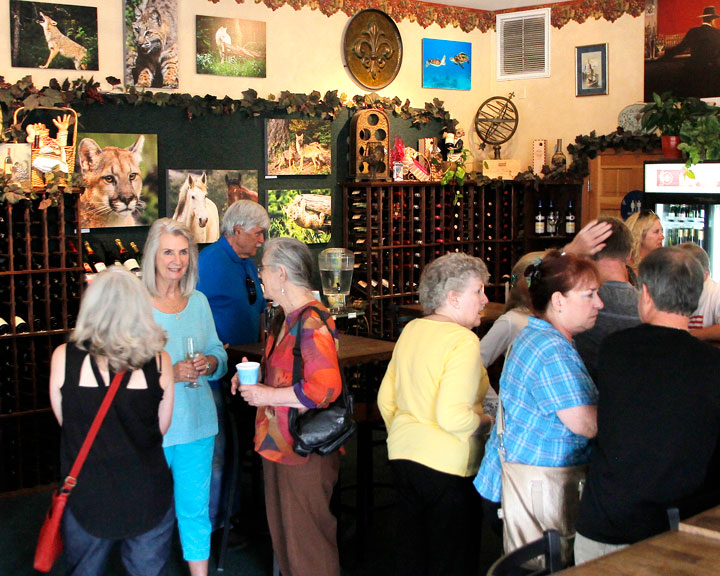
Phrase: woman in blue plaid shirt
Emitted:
{"points": [[549, 399]]}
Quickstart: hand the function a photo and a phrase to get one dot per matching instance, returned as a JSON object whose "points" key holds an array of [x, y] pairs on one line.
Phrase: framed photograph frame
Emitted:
{"points": [[591, 70]]}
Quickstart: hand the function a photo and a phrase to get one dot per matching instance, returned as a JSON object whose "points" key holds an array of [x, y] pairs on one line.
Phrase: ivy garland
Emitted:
{"points": [[25, 93]]}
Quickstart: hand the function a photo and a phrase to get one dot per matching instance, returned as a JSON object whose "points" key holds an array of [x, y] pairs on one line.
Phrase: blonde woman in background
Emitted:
{"points": [[648, 234]]}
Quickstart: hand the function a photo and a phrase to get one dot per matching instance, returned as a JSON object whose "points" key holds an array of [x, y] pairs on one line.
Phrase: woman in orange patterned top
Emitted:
{"points": [[297, 488]]}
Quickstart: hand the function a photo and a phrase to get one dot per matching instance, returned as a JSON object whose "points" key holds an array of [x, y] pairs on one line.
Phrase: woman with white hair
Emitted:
{"points": [[124, 490], [170, 264], [431, 402]]}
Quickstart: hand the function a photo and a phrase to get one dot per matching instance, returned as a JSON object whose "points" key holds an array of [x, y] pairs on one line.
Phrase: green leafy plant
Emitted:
{"points": [[667, 113], [457, 171], [700, 139]]}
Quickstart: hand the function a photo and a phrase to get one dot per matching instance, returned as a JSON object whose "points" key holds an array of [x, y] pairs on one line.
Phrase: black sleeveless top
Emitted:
{"points": [[125, 487]]}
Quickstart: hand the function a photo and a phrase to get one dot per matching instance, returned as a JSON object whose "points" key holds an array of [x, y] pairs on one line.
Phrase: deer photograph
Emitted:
{"points": [[298, 147]]}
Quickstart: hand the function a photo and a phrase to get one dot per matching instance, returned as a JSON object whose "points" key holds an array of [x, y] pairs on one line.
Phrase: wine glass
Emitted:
{"points": [[191, 352], [552, 221]]}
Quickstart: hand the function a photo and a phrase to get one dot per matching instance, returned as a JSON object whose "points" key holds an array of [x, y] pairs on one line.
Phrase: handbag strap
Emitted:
{"points": [[297, 353], [71, 479]]}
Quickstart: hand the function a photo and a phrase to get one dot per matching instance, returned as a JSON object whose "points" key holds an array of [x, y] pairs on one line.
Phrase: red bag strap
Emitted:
{"points": [[71, 479]]}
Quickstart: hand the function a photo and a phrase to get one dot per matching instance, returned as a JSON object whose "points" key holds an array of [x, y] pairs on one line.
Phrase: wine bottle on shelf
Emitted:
{"points": [[559, 161], [96, 263], [4, 326], [539, 220], [127, 259], [8, 165], [570, 219], [21, 327]]}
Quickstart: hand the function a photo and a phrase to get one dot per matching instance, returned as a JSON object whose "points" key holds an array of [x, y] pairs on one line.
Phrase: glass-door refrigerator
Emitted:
{"points": [[687, 201]]}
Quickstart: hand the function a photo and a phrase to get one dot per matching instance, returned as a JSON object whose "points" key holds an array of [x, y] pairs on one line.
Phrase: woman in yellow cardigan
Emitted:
{"points": [[431, 401]]}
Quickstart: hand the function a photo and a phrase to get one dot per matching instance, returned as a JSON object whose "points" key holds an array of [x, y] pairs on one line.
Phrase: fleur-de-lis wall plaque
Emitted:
{"points": [[373, 49]]}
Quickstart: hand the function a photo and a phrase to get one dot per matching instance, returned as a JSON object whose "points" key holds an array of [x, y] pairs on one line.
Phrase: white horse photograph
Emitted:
{"points": [[193, 207]]}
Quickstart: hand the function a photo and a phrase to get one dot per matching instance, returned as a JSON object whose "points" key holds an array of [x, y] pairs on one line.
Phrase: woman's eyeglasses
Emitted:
{"points": [[251, 290]]}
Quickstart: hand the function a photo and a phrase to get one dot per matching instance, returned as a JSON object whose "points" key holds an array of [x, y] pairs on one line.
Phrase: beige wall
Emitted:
{"points": [[304, 53]]}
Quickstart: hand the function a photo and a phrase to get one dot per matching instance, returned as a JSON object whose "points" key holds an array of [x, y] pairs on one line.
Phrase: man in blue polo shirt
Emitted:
{"points": [[229, 279]]}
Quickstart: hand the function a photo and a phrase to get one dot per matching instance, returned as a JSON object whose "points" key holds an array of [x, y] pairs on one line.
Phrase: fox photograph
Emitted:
{"points": [[298, 147], [230, 46], [44, 35], [301, 214], [120, 172], [199, 198]]}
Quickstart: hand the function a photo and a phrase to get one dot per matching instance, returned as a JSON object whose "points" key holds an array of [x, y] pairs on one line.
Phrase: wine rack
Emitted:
{"points": [[395, 229], [40, 284]]}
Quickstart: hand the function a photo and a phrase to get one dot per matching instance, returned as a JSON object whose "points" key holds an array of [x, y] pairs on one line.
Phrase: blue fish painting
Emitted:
{"points": [[447, 64]]}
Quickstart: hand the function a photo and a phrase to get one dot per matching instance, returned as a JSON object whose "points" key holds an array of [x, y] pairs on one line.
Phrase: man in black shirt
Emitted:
{"points": [[658, 415]]}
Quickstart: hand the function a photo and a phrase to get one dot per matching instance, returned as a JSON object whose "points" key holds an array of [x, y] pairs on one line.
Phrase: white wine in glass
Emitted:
{"points": [[191, 352]]}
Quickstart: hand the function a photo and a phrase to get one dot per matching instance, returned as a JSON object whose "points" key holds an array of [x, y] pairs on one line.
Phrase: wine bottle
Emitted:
{"points": [[4, 326], [127, 259], [21, 327], [559, 161], [551, 220], [570, 219], [7, 168], [539, 220], [96, 264]]}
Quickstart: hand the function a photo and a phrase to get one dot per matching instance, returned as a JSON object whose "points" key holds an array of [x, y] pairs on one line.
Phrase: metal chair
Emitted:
{"points": [[512, 564]]}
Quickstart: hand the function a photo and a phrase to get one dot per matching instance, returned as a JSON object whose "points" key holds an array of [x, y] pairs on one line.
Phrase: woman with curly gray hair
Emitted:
{"points": [[431, 402]]}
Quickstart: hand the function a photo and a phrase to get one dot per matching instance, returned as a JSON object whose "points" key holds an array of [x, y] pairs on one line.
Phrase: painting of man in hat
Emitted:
{"points": [[686, 49]]}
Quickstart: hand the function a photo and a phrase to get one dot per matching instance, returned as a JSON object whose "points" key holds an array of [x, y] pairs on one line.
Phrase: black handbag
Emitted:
{"points": [[320, 430]]}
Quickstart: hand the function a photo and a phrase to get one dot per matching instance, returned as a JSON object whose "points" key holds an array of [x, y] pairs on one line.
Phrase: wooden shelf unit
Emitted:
{"points": [[40, 282], [396, 228], [560, 194]]}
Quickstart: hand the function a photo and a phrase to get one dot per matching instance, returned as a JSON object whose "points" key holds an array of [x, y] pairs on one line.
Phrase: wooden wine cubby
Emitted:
{"points": [[395, 229], [40, 282]]}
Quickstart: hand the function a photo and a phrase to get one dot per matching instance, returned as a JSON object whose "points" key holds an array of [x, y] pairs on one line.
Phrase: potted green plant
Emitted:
{"points": [[667, 113], [700, 138]]}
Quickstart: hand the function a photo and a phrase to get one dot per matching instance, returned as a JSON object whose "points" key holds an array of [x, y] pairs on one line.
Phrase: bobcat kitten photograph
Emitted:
{"points": [[44, 35], [121, 178], [151, 43], [230, 46], [199, 198]]}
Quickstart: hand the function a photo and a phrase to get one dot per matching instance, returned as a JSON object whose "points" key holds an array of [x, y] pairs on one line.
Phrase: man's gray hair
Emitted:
{"points": [[698, 252], [674, 279], [293, 256], [246, 214], [449, 272]]}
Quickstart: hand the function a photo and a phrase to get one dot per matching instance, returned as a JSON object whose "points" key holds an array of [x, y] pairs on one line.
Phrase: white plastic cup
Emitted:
{"points": [[248, 372]]}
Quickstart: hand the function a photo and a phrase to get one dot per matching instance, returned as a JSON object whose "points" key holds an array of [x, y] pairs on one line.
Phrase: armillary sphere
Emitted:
{"points": [[496, 121]]}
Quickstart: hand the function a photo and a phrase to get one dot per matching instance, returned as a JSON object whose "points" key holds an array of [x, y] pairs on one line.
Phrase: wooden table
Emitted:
{"points": [[352, 350], [668, 554], [704, 524], [491, 312]]}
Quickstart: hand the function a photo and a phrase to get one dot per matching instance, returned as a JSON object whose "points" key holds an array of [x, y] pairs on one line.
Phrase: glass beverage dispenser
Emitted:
{"points": [[336, 269]]}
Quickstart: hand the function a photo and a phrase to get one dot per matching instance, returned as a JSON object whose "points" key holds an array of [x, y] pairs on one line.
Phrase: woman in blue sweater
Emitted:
{"points": [[170, 274]]}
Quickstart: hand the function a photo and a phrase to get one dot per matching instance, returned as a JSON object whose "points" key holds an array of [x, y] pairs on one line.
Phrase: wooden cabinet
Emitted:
{"points": [[395, 229], [612, 175], [40, 283]]}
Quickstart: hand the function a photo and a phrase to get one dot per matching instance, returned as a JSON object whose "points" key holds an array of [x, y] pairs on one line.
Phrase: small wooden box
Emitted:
{"points": [[505, 169]]}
